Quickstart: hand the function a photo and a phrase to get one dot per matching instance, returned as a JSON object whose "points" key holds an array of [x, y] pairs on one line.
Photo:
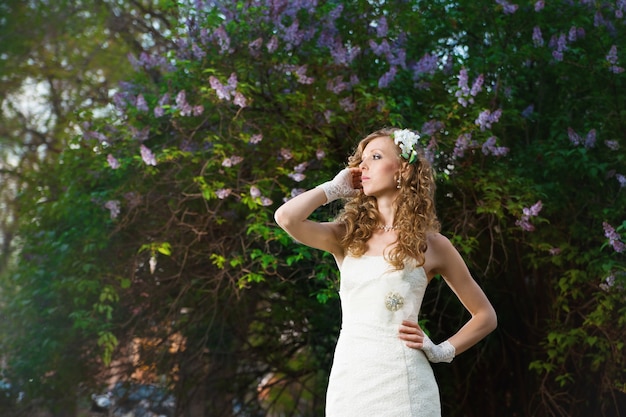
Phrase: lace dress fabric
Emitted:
{"points": [[374, 373]]}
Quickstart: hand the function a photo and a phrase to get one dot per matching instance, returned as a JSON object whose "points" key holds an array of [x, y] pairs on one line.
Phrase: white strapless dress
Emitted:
{"points": [[374, 374]]}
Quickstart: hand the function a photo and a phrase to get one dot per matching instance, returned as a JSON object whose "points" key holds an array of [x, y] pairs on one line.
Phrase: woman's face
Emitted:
{"points": [[380, 167]]}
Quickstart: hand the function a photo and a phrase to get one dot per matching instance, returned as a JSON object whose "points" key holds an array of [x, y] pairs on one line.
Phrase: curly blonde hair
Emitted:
{"points": [[415, 215]]}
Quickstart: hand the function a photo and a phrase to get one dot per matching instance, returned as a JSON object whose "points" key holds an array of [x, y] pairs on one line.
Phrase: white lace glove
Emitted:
{"points": [[443, 352], [340, 187]]}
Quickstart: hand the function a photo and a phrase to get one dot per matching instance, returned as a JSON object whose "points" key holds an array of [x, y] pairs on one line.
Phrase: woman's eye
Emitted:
{"points": [[376, 156]]}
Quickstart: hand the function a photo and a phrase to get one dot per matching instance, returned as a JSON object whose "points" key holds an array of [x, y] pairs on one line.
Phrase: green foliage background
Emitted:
{"points": [[193, 253]]}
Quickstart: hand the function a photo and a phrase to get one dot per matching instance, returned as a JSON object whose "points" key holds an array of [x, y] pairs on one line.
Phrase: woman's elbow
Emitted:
{"points": [[492, 320], [281, 218]]}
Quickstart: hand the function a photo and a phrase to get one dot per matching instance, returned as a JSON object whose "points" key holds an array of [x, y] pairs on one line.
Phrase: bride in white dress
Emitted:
{"points": [[387, 245]]}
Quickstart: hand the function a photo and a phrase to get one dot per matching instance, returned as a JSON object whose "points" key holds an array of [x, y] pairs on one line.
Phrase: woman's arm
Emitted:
{"points": [[443, 258], [453, 269], [293, 215]]}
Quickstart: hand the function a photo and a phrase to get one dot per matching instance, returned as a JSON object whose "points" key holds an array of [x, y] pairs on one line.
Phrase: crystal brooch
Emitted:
{"points": [[394, 301]]}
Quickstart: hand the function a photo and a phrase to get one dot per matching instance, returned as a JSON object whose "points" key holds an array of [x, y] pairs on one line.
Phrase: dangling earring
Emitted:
{"points": [[399, 183]]}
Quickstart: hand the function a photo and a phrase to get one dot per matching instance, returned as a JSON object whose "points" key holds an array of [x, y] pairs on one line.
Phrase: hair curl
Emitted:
{"points": [[415, 215]]}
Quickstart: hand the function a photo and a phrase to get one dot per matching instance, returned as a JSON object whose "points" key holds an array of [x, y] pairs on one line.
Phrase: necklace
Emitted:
{"points": [[386, 227]]}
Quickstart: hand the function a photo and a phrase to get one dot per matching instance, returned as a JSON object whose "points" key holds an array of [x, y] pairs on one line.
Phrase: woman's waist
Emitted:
{"points": [[370, 328]]}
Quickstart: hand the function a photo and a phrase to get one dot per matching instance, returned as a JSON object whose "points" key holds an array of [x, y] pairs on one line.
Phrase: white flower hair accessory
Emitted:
{"points": [[408, 142]]}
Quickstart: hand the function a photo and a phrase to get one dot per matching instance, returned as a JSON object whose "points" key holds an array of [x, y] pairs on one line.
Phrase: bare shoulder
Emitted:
{"points": [[438, 245], [440, 254]]}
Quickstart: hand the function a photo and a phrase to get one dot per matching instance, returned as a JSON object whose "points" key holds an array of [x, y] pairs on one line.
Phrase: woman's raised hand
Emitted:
{"points": [[346, 184]]}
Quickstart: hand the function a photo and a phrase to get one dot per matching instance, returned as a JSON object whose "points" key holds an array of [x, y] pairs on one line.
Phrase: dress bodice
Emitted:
{"points": [[373, 292]]}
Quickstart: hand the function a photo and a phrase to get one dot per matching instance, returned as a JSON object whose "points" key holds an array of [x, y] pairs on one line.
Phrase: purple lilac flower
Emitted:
{"points": [[92, 134], [266, 201], [382, 49], [557, 55], [182, 105], [347, 104], [486, 119], [254, 139], [222, 193], [342, 54], [534, 209], [427, 64], [576, 139], [561, 43], [621, 179], [232, 161], [525, 224], [337, 85], [223, 40], [120, 100], [255, 192], [555, 251], [328, 115], [612, 59], [320, 154], [301, 75], [590, 139], [539, 5], [198, 110], [204, 36], [527, 214], [429, 151], [612, 144], [198, 52], [159, 111], [572, 34], [114, 208], [528, 111], [292, 35], [508, 8], [431, 127], [113, 163], [398, 58], [608, 283], [537, 37], [463, 142], [255, 47], [598, 19], [140, 135], [297, 176], [489, 147], [463, 89], [301, 167], [240, 100], [286, 154], [615, 240], [381, 27], [477, 86], [232, 81], [134, 62], [164, 100], [272, 45], [147, 155], [387, 78], [223, 92], [141, 104]]}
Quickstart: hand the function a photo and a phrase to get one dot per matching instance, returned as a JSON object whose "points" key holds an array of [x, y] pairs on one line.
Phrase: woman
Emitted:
{"points": [[387, 246]]}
